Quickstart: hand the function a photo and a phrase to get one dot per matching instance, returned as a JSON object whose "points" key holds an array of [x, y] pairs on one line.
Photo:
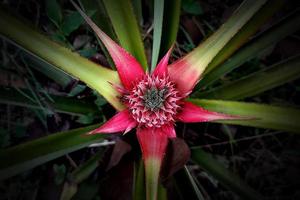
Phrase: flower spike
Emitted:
{"points": [[154, 102]]}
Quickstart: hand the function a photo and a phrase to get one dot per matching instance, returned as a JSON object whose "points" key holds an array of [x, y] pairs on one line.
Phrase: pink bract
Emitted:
{"points": [[155, 101]]}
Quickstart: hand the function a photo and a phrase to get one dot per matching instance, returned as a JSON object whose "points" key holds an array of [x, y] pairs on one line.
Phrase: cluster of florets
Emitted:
{"points": [[153, 101]]}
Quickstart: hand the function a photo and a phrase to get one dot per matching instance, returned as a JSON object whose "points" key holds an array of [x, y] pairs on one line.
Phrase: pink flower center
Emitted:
{"points": [[153, 101]]}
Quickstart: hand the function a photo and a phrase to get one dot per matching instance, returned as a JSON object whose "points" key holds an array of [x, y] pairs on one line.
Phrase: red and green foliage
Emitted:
{"points": [[200, 85]]}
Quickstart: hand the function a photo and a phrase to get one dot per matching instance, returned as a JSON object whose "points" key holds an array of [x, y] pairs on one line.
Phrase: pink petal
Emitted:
{"points": [[169, 130], [184, 76], [153, 142], [193, 113], [162, 67], [128, 67], [120, 122]]}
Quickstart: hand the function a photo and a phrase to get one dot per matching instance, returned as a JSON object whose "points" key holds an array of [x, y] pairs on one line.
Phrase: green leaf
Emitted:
{"points": [[102, 20], [161, 192], [86, 119], [84, 171], [88, 52], [137, 6], [226, 177], [101, 17], [192, 7], [126, 27], [200, 57], [76, 90], [54, 13], [49, 70], [100, 101], [260, 115], [248, 29], [20, 158], [79, 175], [157, 30], [60, 172], [139, 181], [258, 82], [69, 190], [72, 21], [94, 75], [186, 185], [59, 38], [170, 25], [60, 104], [269, 37], [193, 183]]}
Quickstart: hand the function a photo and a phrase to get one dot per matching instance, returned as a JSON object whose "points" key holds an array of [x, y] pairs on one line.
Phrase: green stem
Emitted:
{"points": [[139, 181], [152, 168]]}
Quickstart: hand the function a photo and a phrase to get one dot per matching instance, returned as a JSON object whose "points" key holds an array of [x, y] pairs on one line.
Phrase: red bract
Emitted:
{"points": [[154, 102]]}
